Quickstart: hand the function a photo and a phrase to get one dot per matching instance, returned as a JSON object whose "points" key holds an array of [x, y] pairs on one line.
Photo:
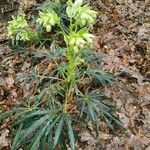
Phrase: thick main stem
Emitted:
{"points": [[70, 76], [71, 71]]}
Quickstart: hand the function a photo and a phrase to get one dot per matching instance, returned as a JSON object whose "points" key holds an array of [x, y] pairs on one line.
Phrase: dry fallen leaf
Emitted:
{"points": [[9, 81], [4, 141], [87, 137]]}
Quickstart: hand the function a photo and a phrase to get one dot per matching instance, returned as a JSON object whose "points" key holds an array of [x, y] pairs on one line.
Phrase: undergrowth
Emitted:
{"points": [[71, 91]]}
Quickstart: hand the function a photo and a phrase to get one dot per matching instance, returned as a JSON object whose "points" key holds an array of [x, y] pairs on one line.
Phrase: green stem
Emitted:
{"points": [[71, 70], [70, 77], [71, 65], [71, 25], [63, 31]]}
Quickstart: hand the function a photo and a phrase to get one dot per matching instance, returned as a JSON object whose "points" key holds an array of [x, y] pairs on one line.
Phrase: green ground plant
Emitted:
{"points": [[70, 93]]}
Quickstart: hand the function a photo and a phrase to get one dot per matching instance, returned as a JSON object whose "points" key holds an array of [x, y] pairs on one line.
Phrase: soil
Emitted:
{"points": [[122, 36]]}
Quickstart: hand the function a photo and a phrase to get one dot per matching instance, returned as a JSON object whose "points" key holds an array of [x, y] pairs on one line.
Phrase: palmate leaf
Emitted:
{"points": [[49, 132], [32, 76], [35, 144], [100, 76], [65, 121], [27, 132], [47, 139], [91, 57], [106, 110], [111, 117], [57, 7], [92, 112], [44, 121], [49, 54], [30, 115], [46, 5], [42, 129], [10, 113], [95, 106]]}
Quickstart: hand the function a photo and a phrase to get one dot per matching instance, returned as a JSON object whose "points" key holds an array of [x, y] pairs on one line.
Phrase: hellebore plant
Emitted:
{"points": [[71, 92], [76, 39]]}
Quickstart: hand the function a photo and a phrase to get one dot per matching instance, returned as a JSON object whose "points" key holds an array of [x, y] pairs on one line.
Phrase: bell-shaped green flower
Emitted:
{"points": [[72, 8], [18, 29], [79, 39], [78, 3], [48, 19], [23, 36], [85, 16]]}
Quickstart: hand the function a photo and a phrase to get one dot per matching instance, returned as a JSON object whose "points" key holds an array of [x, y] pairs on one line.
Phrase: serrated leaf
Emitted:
{"points": [[38, 137], [50, 142], [82, 109], [58, 131], [17, 136], [92, 113], [5, 115], [52, 125], [70, 134], [39, 112], [116, 120], [43, 144], [108, 123], [32, 128]]}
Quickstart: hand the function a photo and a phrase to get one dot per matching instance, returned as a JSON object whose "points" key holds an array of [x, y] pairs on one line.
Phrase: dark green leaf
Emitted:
{"points": [[39, 136], [70, 134], [17, 136], [58, 131], [25, 134]]}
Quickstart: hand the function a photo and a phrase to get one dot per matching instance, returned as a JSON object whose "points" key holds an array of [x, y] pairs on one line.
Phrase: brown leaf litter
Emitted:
{"points": [[122, 37]]}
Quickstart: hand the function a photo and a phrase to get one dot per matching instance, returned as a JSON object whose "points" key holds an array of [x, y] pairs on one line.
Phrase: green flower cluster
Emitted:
{"points": [[78, 39], [83, 14], [48, 19], [18, 29]]}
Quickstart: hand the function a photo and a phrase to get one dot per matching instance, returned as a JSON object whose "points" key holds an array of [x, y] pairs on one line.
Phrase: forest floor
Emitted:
{"points": [[122, 36]]}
